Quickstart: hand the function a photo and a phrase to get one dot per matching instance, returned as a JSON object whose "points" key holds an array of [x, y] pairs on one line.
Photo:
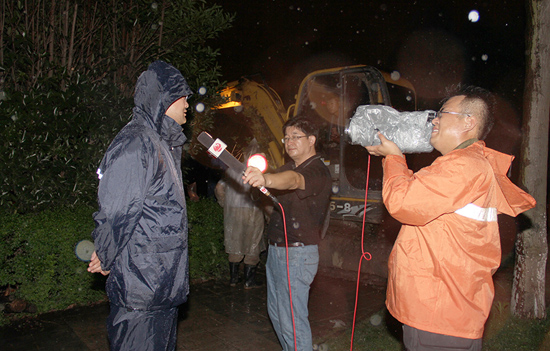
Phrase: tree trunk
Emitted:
{"points": [[71, 42], [528, 292]]}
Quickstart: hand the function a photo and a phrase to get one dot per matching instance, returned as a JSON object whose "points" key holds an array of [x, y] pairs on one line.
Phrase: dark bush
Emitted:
{"points": [[206, 249], [38, 259], [52, 142], [65, 93]]}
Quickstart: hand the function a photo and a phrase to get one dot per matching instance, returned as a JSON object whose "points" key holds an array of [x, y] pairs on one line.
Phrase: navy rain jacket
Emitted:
{"points": [[141, 225]]}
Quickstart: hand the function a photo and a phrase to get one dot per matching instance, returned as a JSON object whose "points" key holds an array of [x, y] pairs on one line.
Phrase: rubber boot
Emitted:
{"points": [[250, 277], [234, 273]]}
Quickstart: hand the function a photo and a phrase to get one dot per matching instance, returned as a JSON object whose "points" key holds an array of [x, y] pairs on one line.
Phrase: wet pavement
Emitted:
{"points": [[216, 317]]}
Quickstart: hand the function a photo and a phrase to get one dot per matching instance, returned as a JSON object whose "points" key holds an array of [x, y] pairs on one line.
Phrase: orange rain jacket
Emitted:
{"points": [[442, 262]]}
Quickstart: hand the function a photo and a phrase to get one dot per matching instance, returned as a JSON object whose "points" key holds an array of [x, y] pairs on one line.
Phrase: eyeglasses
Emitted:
{"points": [[439, 113], [293, 138]]}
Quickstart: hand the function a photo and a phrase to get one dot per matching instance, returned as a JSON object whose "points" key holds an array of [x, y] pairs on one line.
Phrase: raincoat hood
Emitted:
{"points": [[156, 89], [511, 200]]}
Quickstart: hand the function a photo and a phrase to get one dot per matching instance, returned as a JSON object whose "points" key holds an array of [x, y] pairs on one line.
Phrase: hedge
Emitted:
{"points": [[38, 259]]}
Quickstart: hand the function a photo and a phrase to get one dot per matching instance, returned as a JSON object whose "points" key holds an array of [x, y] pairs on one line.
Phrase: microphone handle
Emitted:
{"points": [[268, 194], [206, 140]]}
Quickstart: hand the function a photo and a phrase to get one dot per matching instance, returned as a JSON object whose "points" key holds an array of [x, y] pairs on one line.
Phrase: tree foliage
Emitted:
{"points": [[67, 72], [107, 41]]}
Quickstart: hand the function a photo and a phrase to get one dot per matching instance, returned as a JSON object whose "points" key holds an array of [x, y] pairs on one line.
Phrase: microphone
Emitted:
{"points": [[217, 149]]}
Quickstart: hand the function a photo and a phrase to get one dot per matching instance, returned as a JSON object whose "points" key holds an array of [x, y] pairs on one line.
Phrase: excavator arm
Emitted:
{"points": [[264, 112]]}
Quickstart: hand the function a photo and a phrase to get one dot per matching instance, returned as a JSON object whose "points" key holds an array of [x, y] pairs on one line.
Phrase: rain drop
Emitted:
{"points": [[473, 16], [484, 57], [199, 107], [395, 75], [375, 319], [202, 90]]}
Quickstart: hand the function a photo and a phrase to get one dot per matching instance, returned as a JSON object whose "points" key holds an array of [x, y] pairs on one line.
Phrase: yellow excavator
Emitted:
{"points": [[329, 97]]}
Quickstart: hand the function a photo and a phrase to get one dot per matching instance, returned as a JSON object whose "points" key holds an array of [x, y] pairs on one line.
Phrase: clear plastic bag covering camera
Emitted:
{"points": [[411, 131]]}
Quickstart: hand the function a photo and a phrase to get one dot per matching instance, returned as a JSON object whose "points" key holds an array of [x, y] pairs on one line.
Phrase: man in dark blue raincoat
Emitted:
{"points": [[141, 225]]}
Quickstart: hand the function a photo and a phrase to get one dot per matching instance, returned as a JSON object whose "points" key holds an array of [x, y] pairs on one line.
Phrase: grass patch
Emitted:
{"points": [[517, 334], [382, 334], [503, 332]]}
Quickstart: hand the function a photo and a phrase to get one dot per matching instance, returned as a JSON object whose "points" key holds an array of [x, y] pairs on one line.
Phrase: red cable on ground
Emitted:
{"points": [[363, 253], [288, 276]]}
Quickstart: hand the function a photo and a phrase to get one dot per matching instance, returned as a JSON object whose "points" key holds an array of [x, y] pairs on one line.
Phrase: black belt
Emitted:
{"points": [[290, 244]]}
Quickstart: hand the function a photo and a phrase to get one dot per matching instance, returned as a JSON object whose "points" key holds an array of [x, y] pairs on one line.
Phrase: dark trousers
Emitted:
{"points": [[420, 340], [142, 330]]}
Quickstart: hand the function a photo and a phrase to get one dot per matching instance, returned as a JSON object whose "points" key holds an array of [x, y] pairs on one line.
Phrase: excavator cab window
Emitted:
{"points": [[331, 99], [321, 101], [361, 88]]}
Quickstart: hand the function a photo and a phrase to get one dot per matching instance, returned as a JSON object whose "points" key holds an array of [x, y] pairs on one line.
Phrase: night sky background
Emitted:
{"points": [[431, 43]]}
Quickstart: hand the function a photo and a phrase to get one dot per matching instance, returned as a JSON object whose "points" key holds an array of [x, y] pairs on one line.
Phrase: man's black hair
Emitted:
{"points": [[477, 101], [304, 124]]}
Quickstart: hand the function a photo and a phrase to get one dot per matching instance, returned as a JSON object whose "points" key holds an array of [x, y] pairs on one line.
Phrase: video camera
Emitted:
{"points": [[411, 131]]}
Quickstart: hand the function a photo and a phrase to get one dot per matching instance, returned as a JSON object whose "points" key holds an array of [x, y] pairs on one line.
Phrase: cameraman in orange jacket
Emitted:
{"points": [[440, 282]]}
